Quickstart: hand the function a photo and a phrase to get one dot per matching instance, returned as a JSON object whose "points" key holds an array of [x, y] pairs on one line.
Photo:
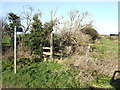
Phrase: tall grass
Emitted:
{"points": [[40, 75]]}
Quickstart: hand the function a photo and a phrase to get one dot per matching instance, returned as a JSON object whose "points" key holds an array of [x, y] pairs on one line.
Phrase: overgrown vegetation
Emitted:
{"points": [[21, 63], [40, 75], [31, 74], [38, 36], [72, 37], [70, 33]]}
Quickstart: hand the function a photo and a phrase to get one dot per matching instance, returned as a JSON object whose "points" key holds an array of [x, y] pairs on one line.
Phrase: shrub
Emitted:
{"points": [[91, 31], [21, 62], [35, 59]]}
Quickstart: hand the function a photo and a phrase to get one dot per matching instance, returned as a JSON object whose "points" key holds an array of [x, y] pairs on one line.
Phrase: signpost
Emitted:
{"points": [[16, 29], [15, 49]]}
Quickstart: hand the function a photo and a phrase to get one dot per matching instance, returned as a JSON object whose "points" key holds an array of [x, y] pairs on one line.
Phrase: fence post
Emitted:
{"points": [[51, 45]]}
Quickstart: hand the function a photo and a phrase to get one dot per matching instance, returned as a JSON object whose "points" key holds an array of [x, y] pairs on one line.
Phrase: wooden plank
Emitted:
{"points": [[47, 53], [46, 48], [59, 54]]}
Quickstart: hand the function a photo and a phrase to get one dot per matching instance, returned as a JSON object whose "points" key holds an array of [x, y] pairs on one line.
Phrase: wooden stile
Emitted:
{"points": [[51, 53]]}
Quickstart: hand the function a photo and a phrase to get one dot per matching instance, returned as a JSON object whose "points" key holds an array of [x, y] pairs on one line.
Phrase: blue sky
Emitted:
{"points": [[104, 14]]}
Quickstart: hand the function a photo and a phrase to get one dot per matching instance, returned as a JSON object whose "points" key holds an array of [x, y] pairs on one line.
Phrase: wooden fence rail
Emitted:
{"points": [[46, 48]]}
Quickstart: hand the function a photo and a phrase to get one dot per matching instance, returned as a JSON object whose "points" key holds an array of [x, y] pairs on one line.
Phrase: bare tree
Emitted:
{"points": [[27, 15], [71, 28], [53, 19]]}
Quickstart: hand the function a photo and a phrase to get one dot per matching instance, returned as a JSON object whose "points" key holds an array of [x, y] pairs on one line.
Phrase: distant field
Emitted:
{"points": [[108, 48]]}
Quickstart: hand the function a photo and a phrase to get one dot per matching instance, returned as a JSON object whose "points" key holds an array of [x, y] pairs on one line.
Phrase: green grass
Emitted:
{"points": [[40, 75], [108, 45], [102, 82], [108, 48], [47, 75]]}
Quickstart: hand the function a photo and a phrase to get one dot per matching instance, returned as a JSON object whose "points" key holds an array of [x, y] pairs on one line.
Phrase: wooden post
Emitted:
{"points": [[15, 49], [51, 45]]}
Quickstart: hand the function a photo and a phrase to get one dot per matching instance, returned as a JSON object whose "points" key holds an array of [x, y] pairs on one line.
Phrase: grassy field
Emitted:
{"points": [[108, 49], [108, 45], [39, 74]]}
